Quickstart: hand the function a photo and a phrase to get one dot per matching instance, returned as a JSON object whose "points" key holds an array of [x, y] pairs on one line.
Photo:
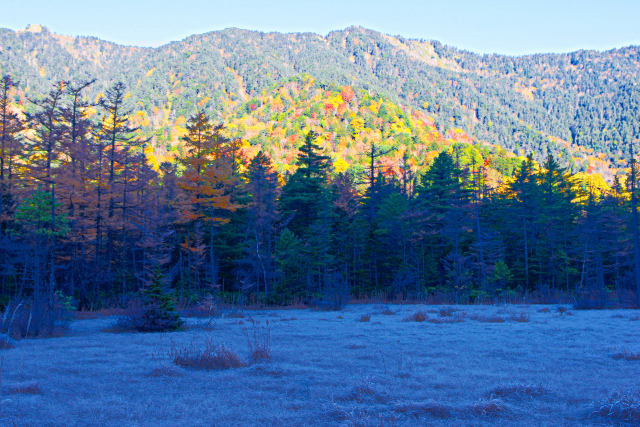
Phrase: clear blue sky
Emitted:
{"points": [[503, 26]]}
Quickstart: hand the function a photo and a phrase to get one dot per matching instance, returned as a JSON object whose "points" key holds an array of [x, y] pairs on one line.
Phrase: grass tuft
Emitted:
{"points": [[432, 409], [446, 312], [457, 318], [488, 319], [165, 371], [364, 318], [520, 317], [235, 315], [30, 388], [488, 407], [517, 390], [418, 316], [627, 355], [365, 392], [212, 357], [259, 340], [621, 407]]}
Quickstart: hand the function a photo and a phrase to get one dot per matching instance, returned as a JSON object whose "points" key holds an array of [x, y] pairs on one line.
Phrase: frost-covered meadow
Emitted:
{"points": [[363, 365]]}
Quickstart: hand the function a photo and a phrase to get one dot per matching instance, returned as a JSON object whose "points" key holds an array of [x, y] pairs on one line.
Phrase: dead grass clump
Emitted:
{"points": [[30, 388], [488, 407], [212, 357], [387, 312], [432, 409], [521, 317], [517, 390], [456, 318], [356, 346], [544, 310], [365, 392], [627, 355], [85, 315], [364, 318], [446, 312], [206, 308], [562, 309], [634, 318], [488, 319], [259, 340], [621, 407], [235, 315], [418, 316], [165, 371]]}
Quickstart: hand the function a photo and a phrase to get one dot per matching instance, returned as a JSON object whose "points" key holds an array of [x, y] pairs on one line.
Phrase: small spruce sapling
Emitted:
{"points": [[159, 311]]}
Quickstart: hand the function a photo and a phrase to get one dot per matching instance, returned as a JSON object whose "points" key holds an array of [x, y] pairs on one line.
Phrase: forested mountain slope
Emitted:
{"points": [[581, 106]]}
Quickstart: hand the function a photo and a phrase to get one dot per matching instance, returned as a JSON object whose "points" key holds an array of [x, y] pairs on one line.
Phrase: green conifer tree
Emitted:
{"points": [[158, 307]]}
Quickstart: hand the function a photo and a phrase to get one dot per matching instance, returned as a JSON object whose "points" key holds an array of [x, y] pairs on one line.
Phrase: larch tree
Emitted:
{"points": [[207, 182], [44, 153], [10, 150]]}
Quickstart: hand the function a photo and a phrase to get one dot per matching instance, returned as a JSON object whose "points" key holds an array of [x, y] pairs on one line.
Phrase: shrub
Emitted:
{"points": [[212, 357], [418, 316]]}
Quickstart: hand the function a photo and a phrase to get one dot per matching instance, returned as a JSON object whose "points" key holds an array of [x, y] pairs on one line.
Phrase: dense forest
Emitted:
{"points": [[581, 107], [85, 216]]}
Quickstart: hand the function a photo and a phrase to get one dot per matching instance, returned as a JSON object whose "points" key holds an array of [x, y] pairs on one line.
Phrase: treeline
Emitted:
{"points": [[83, 215]]}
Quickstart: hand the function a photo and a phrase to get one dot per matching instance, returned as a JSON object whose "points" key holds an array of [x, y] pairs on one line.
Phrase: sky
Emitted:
{"points": [[513, 27]]}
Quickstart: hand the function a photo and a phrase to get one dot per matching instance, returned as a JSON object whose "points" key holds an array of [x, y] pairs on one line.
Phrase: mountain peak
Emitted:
{"points": [[35, 29]]}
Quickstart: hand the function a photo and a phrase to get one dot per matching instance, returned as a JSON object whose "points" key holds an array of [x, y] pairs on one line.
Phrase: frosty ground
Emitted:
{"points": [[363, 365]]}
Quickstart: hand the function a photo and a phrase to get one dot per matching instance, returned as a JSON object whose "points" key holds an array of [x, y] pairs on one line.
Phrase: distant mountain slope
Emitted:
{"points": [[583, 106], [347, 122]]}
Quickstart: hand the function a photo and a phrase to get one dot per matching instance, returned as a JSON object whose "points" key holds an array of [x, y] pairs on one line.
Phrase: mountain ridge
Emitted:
{"points": [[541, 103], [41, 28]]}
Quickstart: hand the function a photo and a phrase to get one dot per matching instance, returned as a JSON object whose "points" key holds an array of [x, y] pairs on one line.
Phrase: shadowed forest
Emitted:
{"points": [[85, 220]]}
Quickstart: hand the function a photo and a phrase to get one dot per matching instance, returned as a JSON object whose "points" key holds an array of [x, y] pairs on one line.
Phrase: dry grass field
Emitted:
{"points": [[364, 365]]}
